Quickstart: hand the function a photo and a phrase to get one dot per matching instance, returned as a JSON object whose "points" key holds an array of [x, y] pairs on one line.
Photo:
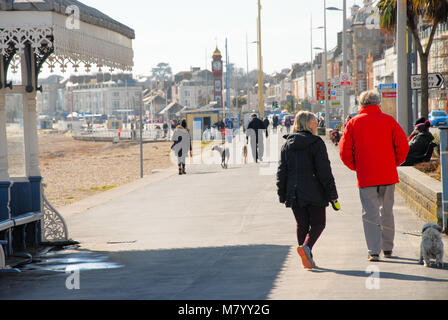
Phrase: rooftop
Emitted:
{"points": [[87, 14]]}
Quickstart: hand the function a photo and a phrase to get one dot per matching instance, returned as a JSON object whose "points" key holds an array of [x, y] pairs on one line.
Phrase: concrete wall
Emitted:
{"points": [[422, 193]]}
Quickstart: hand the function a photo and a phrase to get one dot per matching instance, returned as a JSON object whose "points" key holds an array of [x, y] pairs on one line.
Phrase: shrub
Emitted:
{"points": [[430, 168]]}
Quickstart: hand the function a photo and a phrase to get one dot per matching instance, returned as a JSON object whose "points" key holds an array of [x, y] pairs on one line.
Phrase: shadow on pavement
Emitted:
{"points": [[400, 260], [210, 273], [384, 275]]}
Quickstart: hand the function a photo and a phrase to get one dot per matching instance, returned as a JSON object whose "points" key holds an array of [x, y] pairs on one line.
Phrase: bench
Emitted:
{"points": [[2, 255], [23, 221], [3, 268], [6, 224], [27, 218]]}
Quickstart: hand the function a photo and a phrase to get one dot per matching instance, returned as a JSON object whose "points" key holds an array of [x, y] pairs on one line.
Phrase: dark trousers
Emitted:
{"points": [[311, 222]]}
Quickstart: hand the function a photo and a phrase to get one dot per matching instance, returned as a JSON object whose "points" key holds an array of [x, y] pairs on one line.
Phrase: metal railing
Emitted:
{"points": [[111, 134]]}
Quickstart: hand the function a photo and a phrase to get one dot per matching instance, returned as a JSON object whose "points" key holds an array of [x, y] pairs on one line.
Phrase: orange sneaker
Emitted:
{"points": [[304, 253]]}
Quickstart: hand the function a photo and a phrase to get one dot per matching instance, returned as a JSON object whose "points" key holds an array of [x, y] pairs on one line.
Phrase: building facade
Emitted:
{"points": [[104, 98]]}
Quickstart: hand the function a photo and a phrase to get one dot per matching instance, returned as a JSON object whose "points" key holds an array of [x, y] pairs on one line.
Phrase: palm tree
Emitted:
{"points": [[426, 13]]}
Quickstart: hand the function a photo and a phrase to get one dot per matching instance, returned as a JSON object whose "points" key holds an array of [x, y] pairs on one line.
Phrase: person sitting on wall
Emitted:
{"points": [[420, 145], [416, 132], [321, 123]]}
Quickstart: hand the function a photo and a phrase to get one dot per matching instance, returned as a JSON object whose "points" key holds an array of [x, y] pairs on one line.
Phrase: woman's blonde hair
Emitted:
{"points": [[302, 121]]}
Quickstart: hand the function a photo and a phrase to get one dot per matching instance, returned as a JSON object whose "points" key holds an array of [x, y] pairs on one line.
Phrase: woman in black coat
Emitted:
{"points": [[305, 182], [419, 145]]}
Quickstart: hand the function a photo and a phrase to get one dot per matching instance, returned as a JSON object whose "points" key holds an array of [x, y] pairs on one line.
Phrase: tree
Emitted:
{"points": [[203, 101], [162, 72], [432, 12], [241, 102]]}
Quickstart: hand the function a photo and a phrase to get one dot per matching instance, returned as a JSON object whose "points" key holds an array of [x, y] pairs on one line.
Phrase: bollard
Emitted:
{"points": [[444, 173]]}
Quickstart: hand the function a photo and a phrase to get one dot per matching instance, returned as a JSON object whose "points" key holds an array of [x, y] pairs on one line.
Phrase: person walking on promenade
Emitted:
{"points": [[374, 145], [305, 183], [254, 132], [266, 125], [182, 144], [165, 130], [288, 124], [275, 122]]}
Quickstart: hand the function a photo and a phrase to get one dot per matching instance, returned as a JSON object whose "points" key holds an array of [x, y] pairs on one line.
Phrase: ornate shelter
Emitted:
{"points": [[59, 34]]}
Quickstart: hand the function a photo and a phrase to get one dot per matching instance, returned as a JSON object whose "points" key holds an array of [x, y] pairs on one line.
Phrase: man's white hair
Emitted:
{"points": [[368, 98]]}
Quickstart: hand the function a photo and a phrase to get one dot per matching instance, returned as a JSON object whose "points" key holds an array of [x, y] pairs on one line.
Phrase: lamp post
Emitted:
{"points": [[141, 135], [313, 86], [327, 116], [248, 79], [344, 52], [312, 58], [444, 174], [344, 59], [260, 67], [402, 71]]}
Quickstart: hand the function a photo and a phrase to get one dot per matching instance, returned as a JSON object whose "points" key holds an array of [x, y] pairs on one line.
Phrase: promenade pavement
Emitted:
{"points": [[222, 234]]}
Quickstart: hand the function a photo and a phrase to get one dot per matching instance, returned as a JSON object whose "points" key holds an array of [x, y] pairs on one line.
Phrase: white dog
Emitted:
{"points": [[225, 155], [432, 245]]}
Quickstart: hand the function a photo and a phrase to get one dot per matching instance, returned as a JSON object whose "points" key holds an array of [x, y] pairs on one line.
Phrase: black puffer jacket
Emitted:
{"points": [[304, 175], [419, 144]]}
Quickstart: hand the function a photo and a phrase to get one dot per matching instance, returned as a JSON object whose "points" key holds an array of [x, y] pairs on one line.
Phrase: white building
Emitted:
{"points": [[192, 93], [385, 70], [104, 98], [302, 86]]}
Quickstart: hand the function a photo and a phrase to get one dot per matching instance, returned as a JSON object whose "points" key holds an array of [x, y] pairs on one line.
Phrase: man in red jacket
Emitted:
{"points": [[374, 145]]}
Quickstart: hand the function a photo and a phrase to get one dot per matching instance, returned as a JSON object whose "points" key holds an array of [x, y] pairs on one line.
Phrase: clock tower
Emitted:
{"points": [[217, 69]]}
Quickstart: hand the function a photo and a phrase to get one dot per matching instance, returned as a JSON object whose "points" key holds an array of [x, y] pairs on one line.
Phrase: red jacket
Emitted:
{"points": [[374, 145]]}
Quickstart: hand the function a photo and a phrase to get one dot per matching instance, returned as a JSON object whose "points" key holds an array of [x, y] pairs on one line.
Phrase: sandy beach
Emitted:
{"points": [[74, 170]]}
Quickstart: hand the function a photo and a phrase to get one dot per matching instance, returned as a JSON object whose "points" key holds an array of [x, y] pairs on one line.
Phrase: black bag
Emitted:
{"points": [[176, 142]]}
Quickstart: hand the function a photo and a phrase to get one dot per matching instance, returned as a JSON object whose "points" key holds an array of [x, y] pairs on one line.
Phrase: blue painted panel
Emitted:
{"points": [[4, 200], [35, 190], [21, 198]]}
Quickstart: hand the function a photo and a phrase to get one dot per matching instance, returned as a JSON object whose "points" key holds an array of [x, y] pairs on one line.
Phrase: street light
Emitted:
{"points": [[260, 66], [312, 57], [344, 51], [327, 122], [327, 117], [248, 78]]}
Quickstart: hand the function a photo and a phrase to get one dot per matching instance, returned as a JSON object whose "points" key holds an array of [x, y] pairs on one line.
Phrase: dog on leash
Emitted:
{"points": [[225, 155], [432, 245], [244, 154]]}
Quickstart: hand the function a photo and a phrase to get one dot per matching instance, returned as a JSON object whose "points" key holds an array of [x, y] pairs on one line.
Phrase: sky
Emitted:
{"points": [[185, 33]]}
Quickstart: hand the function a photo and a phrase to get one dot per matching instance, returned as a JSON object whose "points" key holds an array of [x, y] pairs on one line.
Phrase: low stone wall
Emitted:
{"points": [[422, 193]]}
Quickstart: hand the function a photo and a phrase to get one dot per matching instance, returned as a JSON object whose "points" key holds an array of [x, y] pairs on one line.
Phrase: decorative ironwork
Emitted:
{"points": [[2, 259], [54, 228], [44, 54], [56, 45], [9, 60]]}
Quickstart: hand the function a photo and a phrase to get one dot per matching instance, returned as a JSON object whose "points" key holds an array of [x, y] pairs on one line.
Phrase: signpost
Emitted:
{"points": [[444, 174], [435, 80], [320, 93], [346, 80], [389, 98]]}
